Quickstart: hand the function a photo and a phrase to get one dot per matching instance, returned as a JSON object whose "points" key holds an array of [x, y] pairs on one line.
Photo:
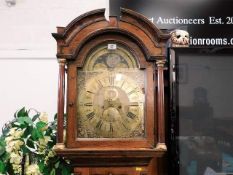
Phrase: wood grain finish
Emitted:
{"points": [[61, 92], [147, 44], [112, 171], [160, 91]]}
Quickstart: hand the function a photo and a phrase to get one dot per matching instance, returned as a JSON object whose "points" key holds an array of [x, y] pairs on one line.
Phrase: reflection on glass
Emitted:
{"points": [[205, 110]]}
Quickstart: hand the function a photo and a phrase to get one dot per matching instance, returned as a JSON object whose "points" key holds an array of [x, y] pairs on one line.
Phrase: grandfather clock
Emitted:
{"points": [[115, 94]]}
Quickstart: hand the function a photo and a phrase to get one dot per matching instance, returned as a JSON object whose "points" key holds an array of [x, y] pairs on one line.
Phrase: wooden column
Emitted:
{"points": [[60, 110], [160, 105]]}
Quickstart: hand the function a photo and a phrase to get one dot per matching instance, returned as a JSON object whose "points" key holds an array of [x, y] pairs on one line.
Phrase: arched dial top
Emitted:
{"points": [[111, 94]]}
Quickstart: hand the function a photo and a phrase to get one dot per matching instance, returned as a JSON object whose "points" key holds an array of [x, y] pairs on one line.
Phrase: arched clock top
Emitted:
{"points": [[131, 25]]}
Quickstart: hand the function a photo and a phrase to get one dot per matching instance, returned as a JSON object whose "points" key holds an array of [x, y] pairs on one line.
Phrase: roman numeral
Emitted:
{"points": [[124, 126], [90, 115], [100, 83], [131, 92], [91, 92], [111, 128], [133, 104], [99, 124], [111, 80], [131, 115], [122, 84], [88, 104]]}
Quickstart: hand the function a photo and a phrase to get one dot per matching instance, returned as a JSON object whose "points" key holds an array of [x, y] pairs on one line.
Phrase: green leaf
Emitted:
{"points": [[2, 146], [30, 144], [57, 164], [5, 156], [2, 150], [55, 117], [45, 170], [51, 144], [25, 120], [27, 132], [16, 124], [40, 125], [9, 168], [66, 171], [36, 134], [25, 150], [21, 113], [53, 172], [2, 167], [41, 166], [2, 141], [6, 128], [35, 117]]}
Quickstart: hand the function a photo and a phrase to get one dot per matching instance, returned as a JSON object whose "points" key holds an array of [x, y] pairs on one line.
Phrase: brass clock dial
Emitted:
{"points": [[111, 96]]}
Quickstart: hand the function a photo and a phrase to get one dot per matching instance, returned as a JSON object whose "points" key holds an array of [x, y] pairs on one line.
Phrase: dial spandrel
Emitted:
{"points": [[111, 97]]}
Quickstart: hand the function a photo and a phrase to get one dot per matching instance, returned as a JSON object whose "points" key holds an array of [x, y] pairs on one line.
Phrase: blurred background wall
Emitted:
{"points": [[28, 65]]}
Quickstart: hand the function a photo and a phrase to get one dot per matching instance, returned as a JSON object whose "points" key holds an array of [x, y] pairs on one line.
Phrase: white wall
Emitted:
{"points": [[28, 66]]}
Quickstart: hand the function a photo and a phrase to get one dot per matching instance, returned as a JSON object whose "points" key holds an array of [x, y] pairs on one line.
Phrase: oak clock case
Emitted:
{"points": [[111, 94], [114, 94]]}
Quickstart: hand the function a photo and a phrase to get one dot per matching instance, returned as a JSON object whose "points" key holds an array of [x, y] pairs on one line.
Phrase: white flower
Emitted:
{"points": [[50, 154], [16, 133], [17, 168], [44, 141], [12, 131], [9, 148], [9, 139], [15, 158], [33, 170], [14, 145], [47, 139], [18, 144], [43, 117]]}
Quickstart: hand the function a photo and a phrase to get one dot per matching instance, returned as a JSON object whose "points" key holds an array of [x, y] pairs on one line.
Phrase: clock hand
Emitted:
{"points": [[119, 107]]}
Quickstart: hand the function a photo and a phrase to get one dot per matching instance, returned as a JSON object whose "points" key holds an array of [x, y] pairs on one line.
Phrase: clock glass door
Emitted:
{"points": [[203, 116], [111, 94]]}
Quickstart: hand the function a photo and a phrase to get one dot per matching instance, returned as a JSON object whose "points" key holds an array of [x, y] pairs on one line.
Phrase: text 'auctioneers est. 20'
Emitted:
{"points": [[189, 21]]}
